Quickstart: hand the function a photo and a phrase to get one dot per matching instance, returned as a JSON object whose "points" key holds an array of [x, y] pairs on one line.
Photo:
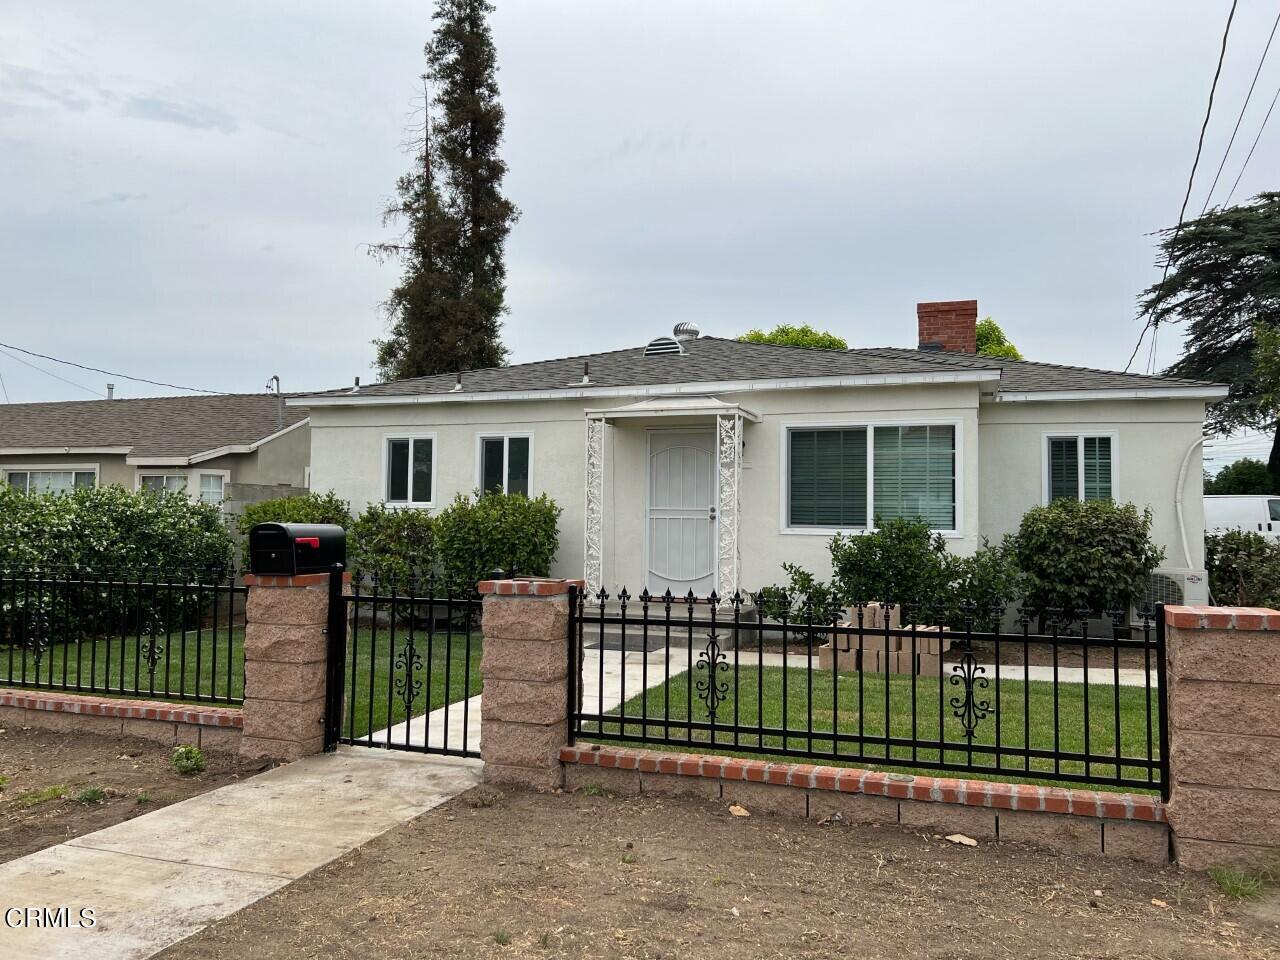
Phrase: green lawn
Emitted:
{"points": [[854, 704], [191, 665], [443, 677]]}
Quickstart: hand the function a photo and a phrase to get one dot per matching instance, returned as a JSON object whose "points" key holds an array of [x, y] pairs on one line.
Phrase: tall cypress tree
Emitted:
{"points": [[445, 314]]}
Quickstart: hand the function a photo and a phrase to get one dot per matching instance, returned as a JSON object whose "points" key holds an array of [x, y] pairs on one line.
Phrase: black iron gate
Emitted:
{"points": [[404, 665]]}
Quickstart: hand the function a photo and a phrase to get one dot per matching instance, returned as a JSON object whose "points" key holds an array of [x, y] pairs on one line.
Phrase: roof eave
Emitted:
{"points": [[59, 451], [1207, 392]]}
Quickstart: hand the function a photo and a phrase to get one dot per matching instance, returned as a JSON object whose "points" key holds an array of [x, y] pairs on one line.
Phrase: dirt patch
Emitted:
{"points": [[42, 773], [523, 875]]}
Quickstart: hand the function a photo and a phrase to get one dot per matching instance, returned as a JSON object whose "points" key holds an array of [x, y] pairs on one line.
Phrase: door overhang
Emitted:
{"points": [[726, 418]]}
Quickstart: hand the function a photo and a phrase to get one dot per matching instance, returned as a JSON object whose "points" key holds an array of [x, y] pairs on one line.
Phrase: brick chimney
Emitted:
{"points": [[948, 325]]}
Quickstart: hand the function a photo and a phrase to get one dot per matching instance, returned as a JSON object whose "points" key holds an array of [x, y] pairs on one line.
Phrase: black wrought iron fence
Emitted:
{"points": [[405, 664], [867, 686], [127, 632]]}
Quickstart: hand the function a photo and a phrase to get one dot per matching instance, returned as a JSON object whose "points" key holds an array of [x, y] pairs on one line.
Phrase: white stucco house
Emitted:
{"points": [[702, 463]]}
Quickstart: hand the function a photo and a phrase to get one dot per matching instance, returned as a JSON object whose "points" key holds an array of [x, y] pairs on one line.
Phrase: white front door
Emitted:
{"points": [[682, 516]]}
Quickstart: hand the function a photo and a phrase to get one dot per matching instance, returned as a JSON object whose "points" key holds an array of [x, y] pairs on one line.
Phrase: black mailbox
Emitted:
{"points": [[288, 548]]}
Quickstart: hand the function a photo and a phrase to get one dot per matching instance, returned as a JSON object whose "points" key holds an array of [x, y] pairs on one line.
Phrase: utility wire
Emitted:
{"points": [[1213, 88], [4, 388], [47, 373], [109, 373], [1243, 107], [1249, 156]]}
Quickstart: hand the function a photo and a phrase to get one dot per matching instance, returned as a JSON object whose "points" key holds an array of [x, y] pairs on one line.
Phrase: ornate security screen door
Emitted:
{"points": [[682, 524]]}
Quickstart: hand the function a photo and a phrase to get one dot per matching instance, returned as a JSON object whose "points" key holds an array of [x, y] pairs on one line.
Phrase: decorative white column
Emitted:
{"points": [[729, 457], [593, 567]]}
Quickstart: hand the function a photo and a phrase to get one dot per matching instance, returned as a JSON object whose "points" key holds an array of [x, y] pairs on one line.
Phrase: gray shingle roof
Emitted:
{"points": [[1030, 376], [152, 426], [717, 359]]}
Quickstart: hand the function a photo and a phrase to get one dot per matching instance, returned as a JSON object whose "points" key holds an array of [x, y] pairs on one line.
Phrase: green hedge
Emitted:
{"points": [[97, 534], [497, 531], [109, 528], [1084, 557], [1244, 568], [463, 543]]}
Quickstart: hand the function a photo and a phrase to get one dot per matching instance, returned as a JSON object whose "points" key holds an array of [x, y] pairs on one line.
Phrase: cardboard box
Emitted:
{"points": [[922, 664], [851, 660]]}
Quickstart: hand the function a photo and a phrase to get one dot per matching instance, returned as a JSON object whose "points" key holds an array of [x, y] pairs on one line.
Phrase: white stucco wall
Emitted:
{"points": [[1152, 438], [999, 456]]}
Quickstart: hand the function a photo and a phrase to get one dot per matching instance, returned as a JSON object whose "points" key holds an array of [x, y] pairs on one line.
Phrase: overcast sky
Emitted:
{"points": [[186, 190]]}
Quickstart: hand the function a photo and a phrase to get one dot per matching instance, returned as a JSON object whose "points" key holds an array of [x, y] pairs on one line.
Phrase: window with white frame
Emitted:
{"points": [[1079, 466], [505, 463], [211, 487], [850, 477], [163, 482], [410, 469], [51, 481]]}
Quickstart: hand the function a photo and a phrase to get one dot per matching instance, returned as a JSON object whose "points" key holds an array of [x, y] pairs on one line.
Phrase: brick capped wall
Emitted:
{"points": [[1224, 731]]}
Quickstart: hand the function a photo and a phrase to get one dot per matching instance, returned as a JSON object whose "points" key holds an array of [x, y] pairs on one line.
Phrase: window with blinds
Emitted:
{"points": [[839, 476], [915, 475], [828, 478], [1079, 467]]}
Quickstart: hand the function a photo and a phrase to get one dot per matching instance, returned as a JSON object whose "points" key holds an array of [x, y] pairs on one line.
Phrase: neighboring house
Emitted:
{"points": [[215, 448], [701, 463]]}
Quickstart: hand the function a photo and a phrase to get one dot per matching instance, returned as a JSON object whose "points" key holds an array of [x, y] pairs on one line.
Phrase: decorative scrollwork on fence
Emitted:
{"points": [[712, 660], [968, 708], [408, 684], [152, 651]]}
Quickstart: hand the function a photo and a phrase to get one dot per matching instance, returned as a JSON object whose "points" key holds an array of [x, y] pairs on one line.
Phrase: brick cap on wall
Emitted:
{"points": [[972, 793], [529, 587], [297, 580], [127, 709], [1222, 618]]}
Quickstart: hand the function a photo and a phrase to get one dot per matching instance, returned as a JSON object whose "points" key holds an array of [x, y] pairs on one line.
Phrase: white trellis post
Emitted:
{"points": [[593, 566], [729, 458]]}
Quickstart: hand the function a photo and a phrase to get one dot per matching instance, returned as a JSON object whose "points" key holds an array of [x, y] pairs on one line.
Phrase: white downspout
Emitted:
{"points": [[1177, 499]]}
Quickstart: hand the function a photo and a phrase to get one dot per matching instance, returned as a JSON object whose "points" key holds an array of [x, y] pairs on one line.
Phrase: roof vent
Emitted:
{"points": [[686, 331], [663, 345]]}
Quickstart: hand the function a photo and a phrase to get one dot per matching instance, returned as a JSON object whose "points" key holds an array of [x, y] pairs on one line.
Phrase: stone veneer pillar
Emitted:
{"points": [[285, 653], [1224, 731], [524, 667]]}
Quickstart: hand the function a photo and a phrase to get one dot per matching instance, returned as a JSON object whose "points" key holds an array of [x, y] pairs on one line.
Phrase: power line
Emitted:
{"points": [[1213, 89], [1249, 156], [1243, 107], [109, 373], [47, 373], [4, 388]]}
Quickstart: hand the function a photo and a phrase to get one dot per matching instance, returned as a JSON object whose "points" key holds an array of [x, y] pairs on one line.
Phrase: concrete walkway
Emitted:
{"points": [[161, 877]]}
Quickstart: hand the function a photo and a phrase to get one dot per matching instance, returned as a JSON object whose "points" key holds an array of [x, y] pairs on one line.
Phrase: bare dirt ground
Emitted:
{"points": [[524, 875], [42, 773]]}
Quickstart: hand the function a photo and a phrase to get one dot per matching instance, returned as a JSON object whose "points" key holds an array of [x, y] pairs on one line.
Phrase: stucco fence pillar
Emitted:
{"points": [[1224, 732], [285, 658], [524, 670]]}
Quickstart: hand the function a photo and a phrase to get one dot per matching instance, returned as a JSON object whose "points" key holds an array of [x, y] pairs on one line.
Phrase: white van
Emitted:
{"points": [[1255, 514]]}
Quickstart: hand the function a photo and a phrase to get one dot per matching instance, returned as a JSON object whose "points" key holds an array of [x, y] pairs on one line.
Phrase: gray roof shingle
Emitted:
{"points": [[151, 426], [716, 359]]}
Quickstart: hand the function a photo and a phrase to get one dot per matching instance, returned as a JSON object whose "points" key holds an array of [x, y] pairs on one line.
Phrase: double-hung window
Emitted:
{"points": [[410, 471], [163, 482], [211, 485], [505, 463], [51, 481], [850, 477], [1079, 466]]}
